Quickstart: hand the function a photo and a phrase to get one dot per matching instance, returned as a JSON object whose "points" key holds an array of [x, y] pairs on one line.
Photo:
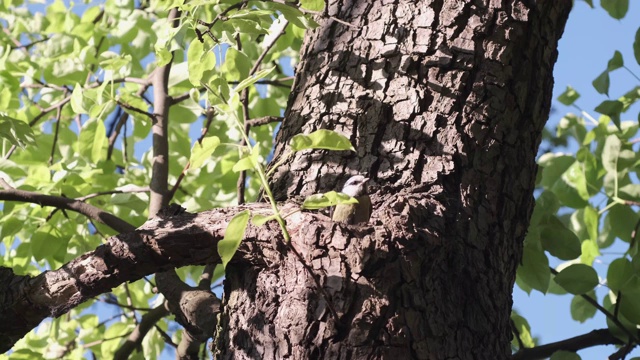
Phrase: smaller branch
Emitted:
{"points": [[634, 235], [280, 82], [122, 122], [609, 315], [83, 208], [182, 97], [27, 46], [593, 338], [221, 16], [264, 120], [124, 190], [622, 352], [116, 303], [135, 109], [55, 135], [5, 185], [207, 275]]}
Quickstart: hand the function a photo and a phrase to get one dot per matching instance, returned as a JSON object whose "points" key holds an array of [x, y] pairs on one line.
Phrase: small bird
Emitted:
{"points": [[351, 214]]}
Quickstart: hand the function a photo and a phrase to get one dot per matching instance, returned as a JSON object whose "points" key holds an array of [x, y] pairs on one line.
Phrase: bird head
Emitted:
{"points": [[356, 186]]}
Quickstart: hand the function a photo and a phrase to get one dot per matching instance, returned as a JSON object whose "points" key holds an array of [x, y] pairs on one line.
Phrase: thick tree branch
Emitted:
{"points": [[160, 244], [594, 338], [81, 207]]}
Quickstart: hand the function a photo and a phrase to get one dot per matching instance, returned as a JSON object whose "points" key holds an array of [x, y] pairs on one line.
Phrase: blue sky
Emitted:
{"points": [[590, 39]]}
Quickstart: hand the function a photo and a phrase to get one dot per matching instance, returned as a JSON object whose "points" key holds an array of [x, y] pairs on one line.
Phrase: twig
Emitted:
{"points": [[264, 120], [55, 135], [220, 16], [634, 235], [110, 301], [5, 185], [622, 352], [123, 120], [135, 109], [27, 46]]}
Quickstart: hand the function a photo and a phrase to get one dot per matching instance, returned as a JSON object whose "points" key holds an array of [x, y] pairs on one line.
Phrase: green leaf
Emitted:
{"points": [[601, 83], [112, 61], [77, 100], [560, 241], [245, 26], [636, 46], [233, 235], [92, 137], [630, 307], [617, 9], [577, 278], [606, 236], [623, 220], [571, 189], [553, 166], [615, 62], [569, 96], [253, 79], [621, 275], [611, 108], [534, 270], [610, 153], [581, 309], [321, 139], [523, 330], [199, 61], [589, 252], [236, 65], [313, 5], [259, 219], [248, 161], [293, 15], [565, 355], [16, 131], [331, 198], [202, 151], [46, 242]]}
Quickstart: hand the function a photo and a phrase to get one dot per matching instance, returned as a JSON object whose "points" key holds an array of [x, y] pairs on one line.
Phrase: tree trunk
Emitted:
{"points": [[444, 102]]}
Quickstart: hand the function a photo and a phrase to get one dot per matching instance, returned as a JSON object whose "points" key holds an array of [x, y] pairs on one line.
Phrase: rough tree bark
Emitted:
{"points": [[445, 102]]}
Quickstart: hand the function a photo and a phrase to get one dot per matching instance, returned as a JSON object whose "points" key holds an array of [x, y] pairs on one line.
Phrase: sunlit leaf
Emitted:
{"points": [[321, 139], [233, 236], [331, 198], [202, 151]]}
